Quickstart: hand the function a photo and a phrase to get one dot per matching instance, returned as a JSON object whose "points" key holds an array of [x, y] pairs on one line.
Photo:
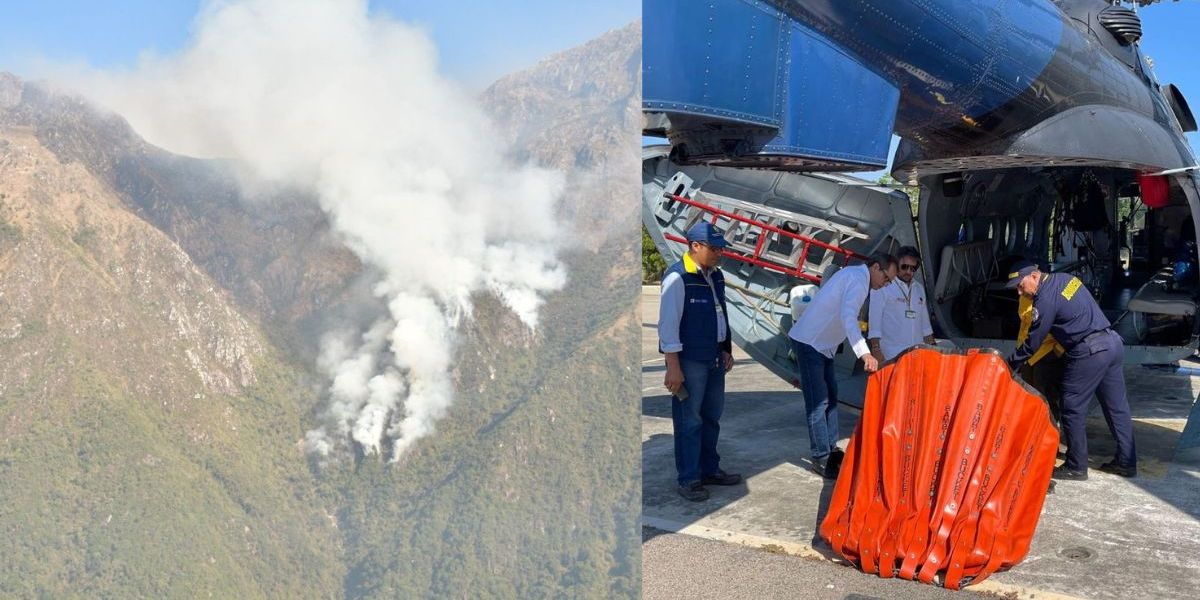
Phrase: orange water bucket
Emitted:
{"points": [[946, 473]]}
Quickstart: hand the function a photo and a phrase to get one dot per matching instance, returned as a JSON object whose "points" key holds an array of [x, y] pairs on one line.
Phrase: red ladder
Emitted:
{"points": [[756, 257]]}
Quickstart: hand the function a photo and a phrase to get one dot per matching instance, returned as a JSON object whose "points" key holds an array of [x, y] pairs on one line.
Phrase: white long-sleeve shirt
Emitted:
{"points": [[899, 317], [832, 316]]}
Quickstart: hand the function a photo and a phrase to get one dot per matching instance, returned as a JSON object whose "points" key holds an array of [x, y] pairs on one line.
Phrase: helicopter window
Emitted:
{"points": [[984, 231], [999, 234], [1015, 236], [1131, 227]]}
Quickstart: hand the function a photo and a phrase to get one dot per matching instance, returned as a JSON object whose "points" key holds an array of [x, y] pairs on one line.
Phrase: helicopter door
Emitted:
{"points": [[785, 230]]}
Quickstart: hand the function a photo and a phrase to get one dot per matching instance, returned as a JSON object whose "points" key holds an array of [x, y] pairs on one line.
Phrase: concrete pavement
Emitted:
{"points": [[720, 570], [1107, 537]]}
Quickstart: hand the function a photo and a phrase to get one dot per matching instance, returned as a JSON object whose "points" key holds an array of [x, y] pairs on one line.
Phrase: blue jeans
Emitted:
{"points": [[696, 420], [820, 398]]}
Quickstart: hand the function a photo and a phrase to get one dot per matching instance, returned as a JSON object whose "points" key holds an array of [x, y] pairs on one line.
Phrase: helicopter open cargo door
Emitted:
{"points": [[1126, 260], [785, 230]]}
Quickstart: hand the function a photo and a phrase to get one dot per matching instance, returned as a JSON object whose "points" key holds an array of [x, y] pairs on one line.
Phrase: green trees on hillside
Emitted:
{"points": [[653, 264]]}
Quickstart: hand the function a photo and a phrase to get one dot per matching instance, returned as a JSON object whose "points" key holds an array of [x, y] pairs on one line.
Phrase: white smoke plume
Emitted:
{"points": [[321, 94]]}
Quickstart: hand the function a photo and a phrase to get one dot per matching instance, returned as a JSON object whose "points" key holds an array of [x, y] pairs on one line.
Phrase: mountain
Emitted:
{"points": [[158, 326], [273, 252], [542, 498], [550, 114], [549, 111], [149, 427]]}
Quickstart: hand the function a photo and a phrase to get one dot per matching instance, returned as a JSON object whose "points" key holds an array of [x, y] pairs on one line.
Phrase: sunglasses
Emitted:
{"points": [[912, 268]]}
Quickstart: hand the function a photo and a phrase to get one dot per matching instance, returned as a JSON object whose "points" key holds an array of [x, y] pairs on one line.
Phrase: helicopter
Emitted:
{"points": [[1027, 129]]}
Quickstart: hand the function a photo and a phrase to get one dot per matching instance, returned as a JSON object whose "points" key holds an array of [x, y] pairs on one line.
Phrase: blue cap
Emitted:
{"points": [[1018, 272], [705, 232]]}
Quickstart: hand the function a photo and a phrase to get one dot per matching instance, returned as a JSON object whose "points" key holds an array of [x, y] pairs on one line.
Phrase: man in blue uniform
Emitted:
{"points": [[693, 335], [1094, 360]]}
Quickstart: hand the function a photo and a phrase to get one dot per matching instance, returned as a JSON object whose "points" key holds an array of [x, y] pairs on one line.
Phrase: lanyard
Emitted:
{"points": [[713, 290], [907, 296], [908, 311]]}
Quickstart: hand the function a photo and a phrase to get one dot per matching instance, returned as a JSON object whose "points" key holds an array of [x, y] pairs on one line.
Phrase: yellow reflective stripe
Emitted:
{"points": [[1013, 275], [1072, 287], [1049, 344], [1025, 310]]}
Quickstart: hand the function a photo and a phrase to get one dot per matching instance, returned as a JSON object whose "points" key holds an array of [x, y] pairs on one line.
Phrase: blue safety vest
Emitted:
{"points": [[698, 325]]}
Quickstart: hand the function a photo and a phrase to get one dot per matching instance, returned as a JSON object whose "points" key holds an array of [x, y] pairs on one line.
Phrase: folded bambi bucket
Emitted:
{"points": [[945, 476]]}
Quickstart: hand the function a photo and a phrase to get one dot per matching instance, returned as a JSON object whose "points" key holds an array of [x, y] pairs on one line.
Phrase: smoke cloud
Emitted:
{"points": [[321, 94]]}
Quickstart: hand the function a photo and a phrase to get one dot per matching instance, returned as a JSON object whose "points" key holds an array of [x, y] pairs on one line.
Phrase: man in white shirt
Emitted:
{"points": [[898, 315], [830, 319]]}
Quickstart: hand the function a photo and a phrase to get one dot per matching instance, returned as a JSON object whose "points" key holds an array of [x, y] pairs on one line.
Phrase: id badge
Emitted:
{"points": [[910, 314]]}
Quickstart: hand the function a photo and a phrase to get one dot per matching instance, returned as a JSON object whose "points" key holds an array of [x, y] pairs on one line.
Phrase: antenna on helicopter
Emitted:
{"points": [[1179, 170]]}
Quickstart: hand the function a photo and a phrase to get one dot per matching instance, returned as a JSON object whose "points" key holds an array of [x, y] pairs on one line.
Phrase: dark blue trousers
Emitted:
{"points": [[697, 420], [819, 383], [1095, 367]]}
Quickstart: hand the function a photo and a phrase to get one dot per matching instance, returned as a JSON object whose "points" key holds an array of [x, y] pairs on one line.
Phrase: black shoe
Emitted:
{"points": [[1112, 467], [835, 459], [694, 492], [721, 478], [822, 467], [1069, 475]]}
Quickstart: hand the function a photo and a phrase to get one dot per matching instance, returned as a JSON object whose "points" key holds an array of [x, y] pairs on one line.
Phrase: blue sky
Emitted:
{"points": [[478, 41], [1171, 38]]}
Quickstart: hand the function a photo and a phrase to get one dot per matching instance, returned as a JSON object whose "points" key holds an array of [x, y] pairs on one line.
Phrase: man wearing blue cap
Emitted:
{"points": [[693, 334], [1062, 307]]}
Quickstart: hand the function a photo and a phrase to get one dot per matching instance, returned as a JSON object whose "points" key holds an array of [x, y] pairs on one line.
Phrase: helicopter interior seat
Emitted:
{"points": [[963, 266], [1157, 297]]}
